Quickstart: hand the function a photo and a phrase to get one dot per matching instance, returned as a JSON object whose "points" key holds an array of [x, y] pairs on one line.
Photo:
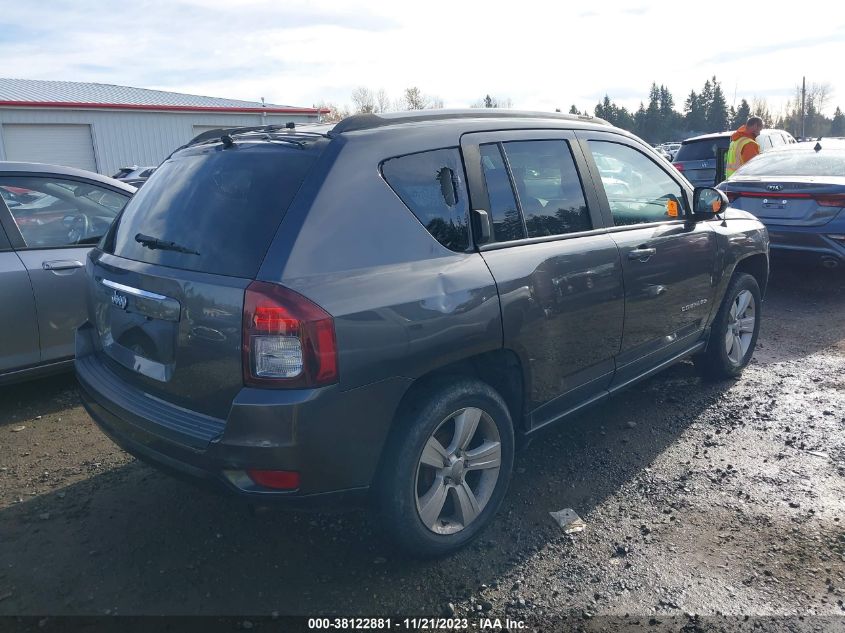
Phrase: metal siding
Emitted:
{"points": [[124, 138]]}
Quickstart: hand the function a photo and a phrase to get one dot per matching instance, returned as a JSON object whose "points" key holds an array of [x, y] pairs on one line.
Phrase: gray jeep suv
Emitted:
{"points": [[380, 308]]}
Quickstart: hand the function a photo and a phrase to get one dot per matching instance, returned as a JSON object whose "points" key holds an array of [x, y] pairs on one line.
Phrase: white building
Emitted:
{"points": [[102, 127]]}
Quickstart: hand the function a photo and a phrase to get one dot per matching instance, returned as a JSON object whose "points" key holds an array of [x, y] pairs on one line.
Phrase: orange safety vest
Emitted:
{"points": [[733, 160]]}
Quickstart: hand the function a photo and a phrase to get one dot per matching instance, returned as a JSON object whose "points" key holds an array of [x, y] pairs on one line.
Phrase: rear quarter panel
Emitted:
{"points": [[403, 304]]}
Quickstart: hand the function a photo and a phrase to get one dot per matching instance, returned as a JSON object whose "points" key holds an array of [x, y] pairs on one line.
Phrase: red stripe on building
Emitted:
{"points": [[166, 108]]}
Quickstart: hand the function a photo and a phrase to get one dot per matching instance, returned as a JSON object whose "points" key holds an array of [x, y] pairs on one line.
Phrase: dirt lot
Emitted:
{"points": [[699, 499]]}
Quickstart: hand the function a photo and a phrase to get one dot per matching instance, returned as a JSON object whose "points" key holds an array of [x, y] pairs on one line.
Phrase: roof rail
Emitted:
{"points": [[229, 131], [358, 122]]}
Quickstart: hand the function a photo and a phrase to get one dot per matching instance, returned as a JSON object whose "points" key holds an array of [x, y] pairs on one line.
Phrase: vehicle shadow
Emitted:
{"points": [[134, 541], [44, 396]]}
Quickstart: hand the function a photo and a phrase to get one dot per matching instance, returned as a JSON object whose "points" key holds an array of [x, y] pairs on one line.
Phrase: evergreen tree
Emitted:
{"points": [[742, 114], [694, 113], [652, 132], [640, 121], [837, 127], [705, 99], [717, 112], [573, 110], [624, 119]]}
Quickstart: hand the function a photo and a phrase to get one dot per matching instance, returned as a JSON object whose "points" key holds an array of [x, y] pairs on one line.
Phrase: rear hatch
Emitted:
{"points": [[168, 281], [697, 159]]}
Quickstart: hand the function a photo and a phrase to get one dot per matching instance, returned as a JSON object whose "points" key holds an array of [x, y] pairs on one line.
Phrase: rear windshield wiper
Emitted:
{"points": [[154, 243]]}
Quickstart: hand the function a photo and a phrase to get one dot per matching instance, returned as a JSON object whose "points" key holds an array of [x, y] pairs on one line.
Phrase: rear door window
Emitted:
{"points": [[432, 186], [504, 213], [548, 186], [212, 209]]}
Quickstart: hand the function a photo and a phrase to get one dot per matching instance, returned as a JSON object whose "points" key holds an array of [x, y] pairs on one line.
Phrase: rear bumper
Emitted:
{"points": [[333, 438], [809, 241]]}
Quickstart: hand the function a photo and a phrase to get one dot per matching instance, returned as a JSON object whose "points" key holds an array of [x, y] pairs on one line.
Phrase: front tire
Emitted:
{"points": [[733, 335], [446, 468]]}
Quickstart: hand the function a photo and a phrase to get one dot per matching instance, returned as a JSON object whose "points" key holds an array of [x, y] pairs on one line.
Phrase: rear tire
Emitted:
{"points": [[733, 334], [446, 468]]}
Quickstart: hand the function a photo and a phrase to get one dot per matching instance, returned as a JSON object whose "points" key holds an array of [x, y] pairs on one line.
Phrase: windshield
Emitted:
{"points": [[220, 206], [794, 162]]}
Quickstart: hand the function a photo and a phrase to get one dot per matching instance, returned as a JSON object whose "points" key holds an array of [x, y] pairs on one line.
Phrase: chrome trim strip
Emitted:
{"points": [[135, 292]]}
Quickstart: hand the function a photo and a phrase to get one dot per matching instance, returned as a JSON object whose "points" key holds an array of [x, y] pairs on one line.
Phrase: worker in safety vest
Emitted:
{"points": [[743, 145]]}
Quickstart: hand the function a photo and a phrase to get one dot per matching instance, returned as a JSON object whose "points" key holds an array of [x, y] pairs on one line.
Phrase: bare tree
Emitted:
{"points": [[414, 99], [760, 108], [335, 113], [436, 103], [363, 100], [383, 103]]}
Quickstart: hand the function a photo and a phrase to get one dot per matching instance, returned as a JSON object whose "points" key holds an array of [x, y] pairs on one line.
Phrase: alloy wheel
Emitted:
{"points": [[458, 471], [741, 322]]}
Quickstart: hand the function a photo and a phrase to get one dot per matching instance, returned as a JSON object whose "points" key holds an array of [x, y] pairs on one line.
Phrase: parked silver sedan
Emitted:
{"points": [[50, 217]]}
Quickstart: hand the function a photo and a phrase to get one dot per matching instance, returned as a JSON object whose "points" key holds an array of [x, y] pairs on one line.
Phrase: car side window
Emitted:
{"points": [[548, 187], [53, 212], [504, 213], [638, 190], [432, 186]]}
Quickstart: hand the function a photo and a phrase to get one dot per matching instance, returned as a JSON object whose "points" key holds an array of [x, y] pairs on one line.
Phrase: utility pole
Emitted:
{"points": [[803, 101]]}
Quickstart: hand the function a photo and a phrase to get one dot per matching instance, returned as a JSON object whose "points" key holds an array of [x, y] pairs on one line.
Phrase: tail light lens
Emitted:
{"points": [[732, 195], [678, 166], [831, 201], [288, 341]]}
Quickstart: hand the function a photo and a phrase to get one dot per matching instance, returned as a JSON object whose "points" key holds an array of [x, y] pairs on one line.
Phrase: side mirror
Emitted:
{"points": [[707, 202]]}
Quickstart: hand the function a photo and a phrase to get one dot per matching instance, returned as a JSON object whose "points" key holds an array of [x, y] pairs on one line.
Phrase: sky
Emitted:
{"points": [[540, 55]]}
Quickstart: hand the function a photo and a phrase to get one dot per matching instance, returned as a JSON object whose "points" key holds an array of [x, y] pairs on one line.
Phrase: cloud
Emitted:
{"points": [[302, 52], [739, 55]]}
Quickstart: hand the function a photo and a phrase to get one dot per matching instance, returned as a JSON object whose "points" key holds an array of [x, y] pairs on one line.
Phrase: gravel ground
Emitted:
{"points": [[709, 499]]}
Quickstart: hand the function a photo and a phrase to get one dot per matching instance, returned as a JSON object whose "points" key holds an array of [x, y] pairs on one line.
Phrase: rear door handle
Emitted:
{"points": [[641, 254], [61, 264]]}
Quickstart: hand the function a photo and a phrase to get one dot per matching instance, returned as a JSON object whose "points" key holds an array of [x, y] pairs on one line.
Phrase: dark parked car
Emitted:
{"points": [[385, 306], [697, 157], [135, 176], [798, 192], [50, 217]]}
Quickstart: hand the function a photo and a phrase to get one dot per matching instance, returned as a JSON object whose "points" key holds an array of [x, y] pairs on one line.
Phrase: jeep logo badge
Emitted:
{"points": [[119, 300], [774, 187]]}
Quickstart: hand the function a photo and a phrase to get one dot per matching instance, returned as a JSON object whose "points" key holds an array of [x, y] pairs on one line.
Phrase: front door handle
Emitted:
{"points": [[61, 264], [641, 254]]}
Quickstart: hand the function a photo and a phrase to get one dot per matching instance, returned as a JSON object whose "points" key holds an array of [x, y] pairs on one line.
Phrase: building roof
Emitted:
{"points": [[36, 93]]}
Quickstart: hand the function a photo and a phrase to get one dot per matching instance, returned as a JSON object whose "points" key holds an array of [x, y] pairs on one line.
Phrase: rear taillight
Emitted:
{"points": [[830, 201], [288, 341], [732, 195], [678, 166]]}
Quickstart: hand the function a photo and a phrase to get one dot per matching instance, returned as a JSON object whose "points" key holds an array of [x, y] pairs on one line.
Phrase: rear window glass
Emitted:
{"points": [[701, 150], [219, 208], [431, 184], [794, 162]]}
